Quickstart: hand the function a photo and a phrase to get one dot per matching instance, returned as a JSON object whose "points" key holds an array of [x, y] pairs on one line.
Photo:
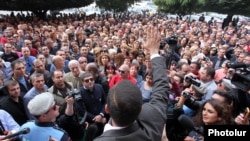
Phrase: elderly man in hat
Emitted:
{"points": [[44, 108]]}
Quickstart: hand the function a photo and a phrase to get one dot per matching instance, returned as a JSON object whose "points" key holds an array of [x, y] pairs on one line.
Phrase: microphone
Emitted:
{"points": [[186, 122], [23, 131]]}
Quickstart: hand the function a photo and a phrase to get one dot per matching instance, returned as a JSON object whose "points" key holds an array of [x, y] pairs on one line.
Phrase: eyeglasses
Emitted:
{"points": [[121, 71], [53, 108], [82, 62], [87, 80], [104, 51]]}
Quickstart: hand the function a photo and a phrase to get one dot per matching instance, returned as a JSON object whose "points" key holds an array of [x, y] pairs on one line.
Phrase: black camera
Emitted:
{"points": [[241, 81], [192, 80], [186, 94], [237, 65], [206, 59], [172, 41], [241, 68], [76, 94]]}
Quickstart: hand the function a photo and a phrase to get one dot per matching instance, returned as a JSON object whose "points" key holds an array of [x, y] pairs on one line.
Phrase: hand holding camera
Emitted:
{"points": [[76, 94], [192, 80]]}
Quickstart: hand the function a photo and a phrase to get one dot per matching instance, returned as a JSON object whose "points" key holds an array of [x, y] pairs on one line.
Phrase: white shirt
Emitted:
{"points": [[108, 127]]}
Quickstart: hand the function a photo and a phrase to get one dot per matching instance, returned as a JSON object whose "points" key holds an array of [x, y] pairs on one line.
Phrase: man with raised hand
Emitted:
{"points": [[130, 119]]}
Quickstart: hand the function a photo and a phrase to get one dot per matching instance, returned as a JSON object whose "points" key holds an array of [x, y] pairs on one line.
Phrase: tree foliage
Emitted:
{"points": [[230, 7], [115, 5], [180, 7], [183, 7], [41, 5]]}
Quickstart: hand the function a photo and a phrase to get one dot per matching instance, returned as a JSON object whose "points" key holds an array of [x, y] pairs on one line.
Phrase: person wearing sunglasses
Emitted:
{"points": [[44, 108], [94, 98], [123, 73]]}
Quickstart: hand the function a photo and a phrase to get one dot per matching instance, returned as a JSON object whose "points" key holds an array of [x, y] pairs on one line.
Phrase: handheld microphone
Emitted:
{"points": [[189, 124], [23, 131]]}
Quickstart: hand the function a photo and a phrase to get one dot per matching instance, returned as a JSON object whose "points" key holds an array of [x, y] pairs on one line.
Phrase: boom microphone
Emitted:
{"points": [[23, 131], [186, 122]]}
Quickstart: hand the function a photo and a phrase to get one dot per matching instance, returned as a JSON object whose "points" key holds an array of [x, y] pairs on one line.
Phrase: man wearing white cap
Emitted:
{"points": [[45, 110]]}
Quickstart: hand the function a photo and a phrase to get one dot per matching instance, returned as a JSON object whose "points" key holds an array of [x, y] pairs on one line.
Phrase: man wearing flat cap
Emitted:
{"points": [[225, 84], [45, 110]]}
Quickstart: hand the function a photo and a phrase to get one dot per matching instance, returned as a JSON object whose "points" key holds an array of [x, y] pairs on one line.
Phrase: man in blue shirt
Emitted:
{"points": [[60, 62], [38, 87], [19, 75], [7, 123], [28, 59]]}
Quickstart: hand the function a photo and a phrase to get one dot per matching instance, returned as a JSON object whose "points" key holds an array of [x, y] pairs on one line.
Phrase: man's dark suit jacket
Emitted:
{"points": [[149, 125], [215, 59]]}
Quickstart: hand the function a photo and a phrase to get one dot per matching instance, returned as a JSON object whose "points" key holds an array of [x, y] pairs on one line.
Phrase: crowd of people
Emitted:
{"points": [[115, 77]]}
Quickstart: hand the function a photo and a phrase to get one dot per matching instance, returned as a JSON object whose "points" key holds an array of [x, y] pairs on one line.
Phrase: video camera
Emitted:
{"points": [[192, 80], [240, 67], [241, 78], [171, 53], [188, 95], [76, 94], [81, 109], [241, 81], [172, 40], [237, 65]]}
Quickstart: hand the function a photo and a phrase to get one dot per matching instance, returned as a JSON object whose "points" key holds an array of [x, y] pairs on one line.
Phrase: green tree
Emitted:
{"points": [[183, 7], [115, 5], [230, 7], [180, 7], [40, 7]]}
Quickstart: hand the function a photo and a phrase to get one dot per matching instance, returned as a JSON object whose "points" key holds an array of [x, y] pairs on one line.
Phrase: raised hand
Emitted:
{"points": [[153, 39]]}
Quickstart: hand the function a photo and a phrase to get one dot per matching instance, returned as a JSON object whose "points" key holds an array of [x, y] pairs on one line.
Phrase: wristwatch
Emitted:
{"points": [[101, 114]]}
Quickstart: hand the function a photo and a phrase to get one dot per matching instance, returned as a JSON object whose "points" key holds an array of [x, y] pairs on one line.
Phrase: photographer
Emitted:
{"points": [[169, 49], [71, 123], [189, 102], [61, 91]]}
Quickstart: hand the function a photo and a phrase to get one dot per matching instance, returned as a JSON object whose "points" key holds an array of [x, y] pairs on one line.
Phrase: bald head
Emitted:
{"points": [[124, 71], [58, 61], [124, 67]]}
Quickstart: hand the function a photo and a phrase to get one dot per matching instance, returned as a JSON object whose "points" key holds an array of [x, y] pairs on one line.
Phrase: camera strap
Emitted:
{"points": [[1, 128]]}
